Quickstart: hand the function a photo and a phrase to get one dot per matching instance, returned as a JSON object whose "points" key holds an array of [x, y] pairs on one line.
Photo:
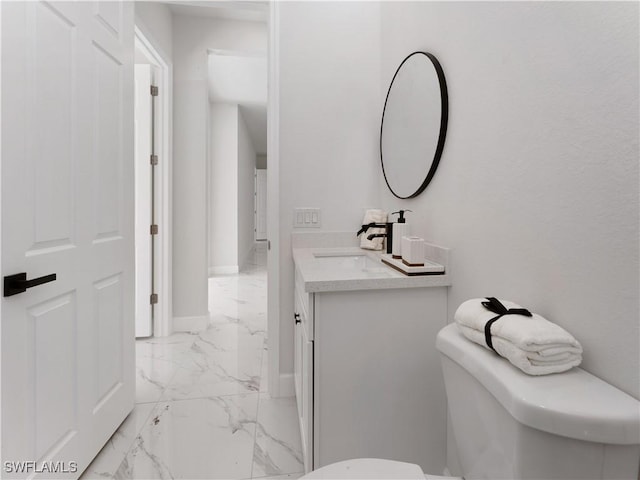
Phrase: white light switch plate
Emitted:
{"points": [[306, 218]]}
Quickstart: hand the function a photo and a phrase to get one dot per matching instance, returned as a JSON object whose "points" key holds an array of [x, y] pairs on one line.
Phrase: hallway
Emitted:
{"points": [[202, 410]]}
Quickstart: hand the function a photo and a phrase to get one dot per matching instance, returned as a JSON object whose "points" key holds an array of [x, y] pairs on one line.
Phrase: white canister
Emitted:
{"points": [[413, 251]]}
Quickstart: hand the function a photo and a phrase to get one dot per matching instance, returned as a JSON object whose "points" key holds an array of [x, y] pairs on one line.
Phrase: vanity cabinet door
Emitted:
{"points": [[307, 400], [303, 382], [297, 367]]}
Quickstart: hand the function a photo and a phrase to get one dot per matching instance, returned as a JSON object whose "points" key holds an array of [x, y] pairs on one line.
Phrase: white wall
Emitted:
{"points": [[329, 114], [155, 21], [189, 197], [223, 203], [193, 36], [246, 165], [231, 177], [537, 189]]}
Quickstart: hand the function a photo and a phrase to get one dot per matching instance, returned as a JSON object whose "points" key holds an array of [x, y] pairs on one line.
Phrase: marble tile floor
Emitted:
{"points": [[202, 408]]}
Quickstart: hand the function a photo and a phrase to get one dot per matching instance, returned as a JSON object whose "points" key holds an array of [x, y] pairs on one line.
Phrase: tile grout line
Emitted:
{"points": [[135, 437], [255, 433], [151, 410]]}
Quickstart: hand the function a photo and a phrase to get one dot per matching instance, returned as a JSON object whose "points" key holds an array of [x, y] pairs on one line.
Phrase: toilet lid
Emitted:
{"points": [[367, 468]]}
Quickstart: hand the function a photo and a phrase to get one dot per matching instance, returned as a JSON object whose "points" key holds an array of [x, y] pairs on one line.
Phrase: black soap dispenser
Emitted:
{"points": [[400, 229]]}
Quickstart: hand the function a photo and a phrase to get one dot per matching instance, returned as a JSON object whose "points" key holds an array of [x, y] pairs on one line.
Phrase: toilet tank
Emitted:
{"points": [[509, 425]]}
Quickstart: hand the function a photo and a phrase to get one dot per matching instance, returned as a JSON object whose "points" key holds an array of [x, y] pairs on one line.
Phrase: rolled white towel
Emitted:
{"points": [[533, 344], [373, 216]]}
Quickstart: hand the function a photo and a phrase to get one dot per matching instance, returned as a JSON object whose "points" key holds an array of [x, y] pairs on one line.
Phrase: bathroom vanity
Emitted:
{"points": [[368, 381]]}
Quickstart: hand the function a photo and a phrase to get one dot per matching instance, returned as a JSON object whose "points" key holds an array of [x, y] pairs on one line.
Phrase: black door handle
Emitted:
{"points": [[18, 283], [296, 317]]}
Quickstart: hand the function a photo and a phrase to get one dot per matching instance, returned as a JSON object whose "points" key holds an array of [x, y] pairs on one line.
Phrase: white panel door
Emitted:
{"points": [[67, 347], [144, 248]]}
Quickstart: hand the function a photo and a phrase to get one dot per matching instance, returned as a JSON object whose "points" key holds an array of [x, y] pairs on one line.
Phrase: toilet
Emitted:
{"points": [[509, 425]]}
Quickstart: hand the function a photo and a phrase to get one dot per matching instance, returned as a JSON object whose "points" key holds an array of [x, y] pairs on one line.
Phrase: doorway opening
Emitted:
{"points": [[237, 167], [237, 163]]}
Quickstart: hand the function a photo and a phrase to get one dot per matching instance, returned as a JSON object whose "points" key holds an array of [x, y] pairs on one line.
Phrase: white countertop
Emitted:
{"points": [[320, 275]]}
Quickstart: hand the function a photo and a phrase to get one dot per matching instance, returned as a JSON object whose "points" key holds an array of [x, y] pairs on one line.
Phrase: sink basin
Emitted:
{"points": [[349, 261]]}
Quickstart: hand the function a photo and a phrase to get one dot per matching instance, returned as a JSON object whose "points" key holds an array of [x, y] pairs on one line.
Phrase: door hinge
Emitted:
{"points": [[153, 299], [154, 91], [154, 229], [154, 159]]}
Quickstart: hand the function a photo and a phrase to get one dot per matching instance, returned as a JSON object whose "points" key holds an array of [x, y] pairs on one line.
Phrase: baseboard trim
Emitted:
{"points": [[223, 270], [190, 324], [287, 385]]}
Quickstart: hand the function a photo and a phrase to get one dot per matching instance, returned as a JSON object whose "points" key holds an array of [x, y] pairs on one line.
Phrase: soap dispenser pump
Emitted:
{"points": [[400, 229]]}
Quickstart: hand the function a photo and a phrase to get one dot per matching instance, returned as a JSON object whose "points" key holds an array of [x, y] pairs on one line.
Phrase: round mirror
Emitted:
{"points": [[414, 125]]}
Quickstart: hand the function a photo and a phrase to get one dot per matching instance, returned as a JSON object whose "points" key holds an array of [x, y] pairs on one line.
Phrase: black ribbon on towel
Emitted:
{"points": [[367, 227], [496, 306]]}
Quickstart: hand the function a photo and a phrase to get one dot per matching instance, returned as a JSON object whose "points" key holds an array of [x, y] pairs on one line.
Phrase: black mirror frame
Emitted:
{"points": [[444, 98]]}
